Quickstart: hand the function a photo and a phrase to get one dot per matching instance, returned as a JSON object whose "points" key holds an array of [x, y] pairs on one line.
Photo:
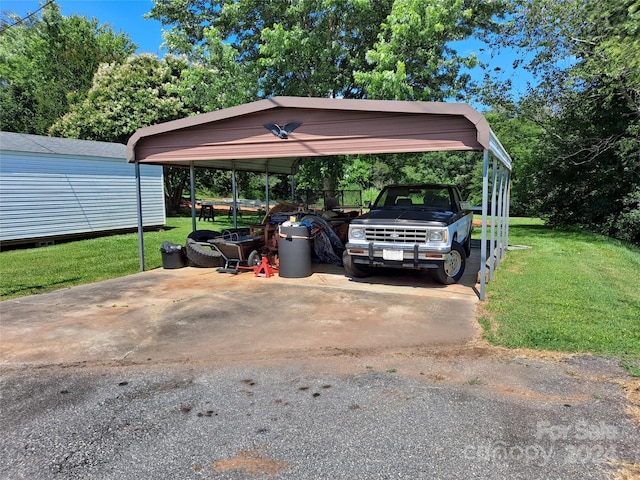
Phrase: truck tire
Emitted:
{"points": [[452, 269], [467, 246], [203, 235], [353, 269], [204, 257]]}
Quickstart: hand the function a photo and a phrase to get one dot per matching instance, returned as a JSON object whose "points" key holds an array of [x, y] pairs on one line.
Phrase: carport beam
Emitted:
{"points": [[266, 187], [235, 196], [192, 192], [492, 244], [500, 213], [507, 196], [483, 244], [140, 223]]}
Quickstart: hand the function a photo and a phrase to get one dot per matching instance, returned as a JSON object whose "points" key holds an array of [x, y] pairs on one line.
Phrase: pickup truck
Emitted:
{"points": [[425, 226]]}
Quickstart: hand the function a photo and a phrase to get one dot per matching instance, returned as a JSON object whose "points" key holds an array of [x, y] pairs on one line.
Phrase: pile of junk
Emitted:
{"points": [[288, 241]]}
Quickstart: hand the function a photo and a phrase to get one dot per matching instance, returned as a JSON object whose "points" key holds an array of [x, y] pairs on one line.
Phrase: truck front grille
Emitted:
{"points": [[396, 235]]}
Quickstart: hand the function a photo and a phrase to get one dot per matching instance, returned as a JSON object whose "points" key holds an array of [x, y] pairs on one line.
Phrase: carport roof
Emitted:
{"points": [[237, 137]]}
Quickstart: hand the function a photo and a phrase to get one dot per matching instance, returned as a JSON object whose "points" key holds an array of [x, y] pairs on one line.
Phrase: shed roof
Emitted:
{"points": [[238, 137], [22, 142]]}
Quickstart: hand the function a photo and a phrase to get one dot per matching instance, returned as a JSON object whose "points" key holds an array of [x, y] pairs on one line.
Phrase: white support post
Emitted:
{"points": [[503, 209], [483, 244], [140, 220], [235, 196], [505, 219], [192, 193], [492, 245], [507, 204], [266, 187], [499, 226]]}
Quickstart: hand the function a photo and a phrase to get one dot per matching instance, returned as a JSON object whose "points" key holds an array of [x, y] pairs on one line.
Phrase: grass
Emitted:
{"points": [[571, 291], [39, 270]]}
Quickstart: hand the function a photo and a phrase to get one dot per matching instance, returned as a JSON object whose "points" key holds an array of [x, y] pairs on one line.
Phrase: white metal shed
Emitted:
{"points": [[53, 188]]}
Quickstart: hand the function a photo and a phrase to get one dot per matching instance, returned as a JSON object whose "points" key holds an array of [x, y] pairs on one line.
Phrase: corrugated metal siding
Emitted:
{"points": [[48, 195]]}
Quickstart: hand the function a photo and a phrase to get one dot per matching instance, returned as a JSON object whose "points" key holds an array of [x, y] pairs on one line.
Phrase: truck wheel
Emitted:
{"points": [[353, 269], [451, 269], [467, 246]]}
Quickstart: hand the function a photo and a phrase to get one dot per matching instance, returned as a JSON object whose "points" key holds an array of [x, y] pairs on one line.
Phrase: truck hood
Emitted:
{"points": [[400, 216]]}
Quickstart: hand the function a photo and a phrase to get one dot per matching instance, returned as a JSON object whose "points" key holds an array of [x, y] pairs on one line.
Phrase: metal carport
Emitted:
{"points": [[237, 138]]}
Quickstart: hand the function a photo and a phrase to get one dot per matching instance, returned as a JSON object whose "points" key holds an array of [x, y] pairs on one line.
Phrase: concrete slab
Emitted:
{"points": [[194, 374], [202, 315]]}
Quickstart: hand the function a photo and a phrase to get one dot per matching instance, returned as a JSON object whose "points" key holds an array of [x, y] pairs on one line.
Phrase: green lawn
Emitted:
{"points": [[571, 291], [38, 270]]}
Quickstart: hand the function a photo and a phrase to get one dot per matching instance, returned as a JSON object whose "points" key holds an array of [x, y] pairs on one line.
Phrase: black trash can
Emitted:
{"points": [[294, 251], [172, 255]]}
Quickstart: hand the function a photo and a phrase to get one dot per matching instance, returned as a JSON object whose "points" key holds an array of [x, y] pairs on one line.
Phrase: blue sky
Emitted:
{"points": [[127, 16], [123, 15]]}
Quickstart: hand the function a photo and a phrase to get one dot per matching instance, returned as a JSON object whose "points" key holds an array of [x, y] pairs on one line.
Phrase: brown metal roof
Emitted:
{"points": [[236, 137]]}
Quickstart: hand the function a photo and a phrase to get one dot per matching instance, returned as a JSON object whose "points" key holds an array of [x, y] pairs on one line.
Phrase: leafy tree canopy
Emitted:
{"points": [[587, 55], [45, 59], [340, 48], [393, 49], [412, 58], [142, 91]]}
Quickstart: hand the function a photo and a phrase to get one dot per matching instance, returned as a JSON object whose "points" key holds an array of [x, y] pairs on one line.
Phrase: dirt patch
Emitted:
{"points": [[627, 471], [477, 222], [252, 462], [632, 390]]}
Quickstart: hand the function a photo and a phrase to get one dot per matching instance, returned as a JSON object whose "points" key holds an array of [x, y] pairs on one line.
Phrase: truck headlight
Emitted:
{"points": [[357, 233], [437, 236]]}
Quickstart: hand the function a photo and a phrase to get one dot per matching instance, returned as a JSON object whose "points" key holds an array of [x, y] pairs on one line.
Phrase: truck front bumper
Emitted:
{"points": [[398, 255]]}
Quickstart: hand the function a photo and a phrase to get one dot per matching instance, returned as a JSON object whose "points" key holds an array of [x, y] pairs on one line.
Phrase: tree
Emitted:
{"points": [[367, 172], [521, 137], [587, 54], [337, 48], [413, 59], [45, 60], [317, 47], [142, 91], [124, 97], [307, 48], [375, 171], [214, 78], [145, 90]]}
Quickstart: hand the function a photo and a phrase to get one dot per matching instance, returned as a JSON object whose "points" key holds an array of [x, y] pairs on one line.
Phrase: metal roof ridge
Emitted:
{"points": [[396, 106]]}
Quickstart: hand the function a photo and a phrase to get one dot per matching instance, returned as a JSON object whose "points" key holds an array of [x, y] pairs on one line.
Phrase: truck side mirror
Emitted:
{"points": [[465, 205], [367, 204]]}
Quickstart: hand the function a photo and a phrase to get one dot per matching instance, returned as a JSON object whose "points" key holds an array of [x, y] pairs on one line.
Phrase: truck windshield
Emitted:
{"points": [[432, 197]]}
